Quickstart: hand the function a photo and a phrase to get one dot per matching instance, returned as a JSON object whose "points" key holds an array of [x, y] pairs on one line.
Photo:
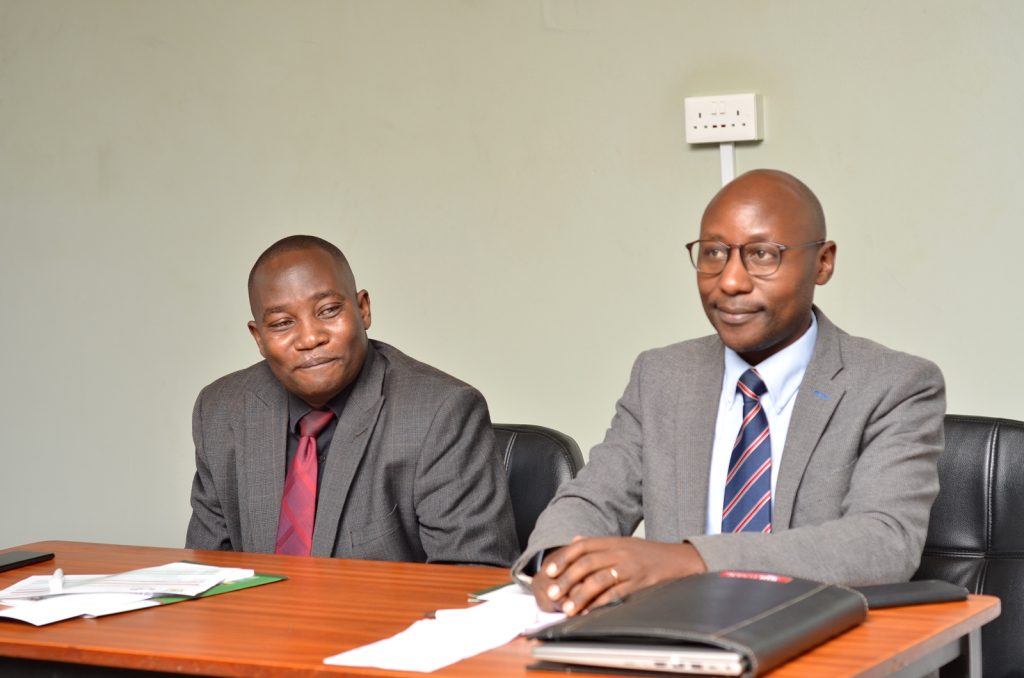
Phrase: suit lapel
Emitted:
{"points": [[817, 399], [351, 437], [266, 425], [695, 435]]}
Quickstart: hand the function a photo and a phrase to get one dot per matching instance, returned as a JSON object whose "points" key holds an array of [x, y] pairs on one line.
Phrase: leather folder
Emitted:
{"points": [[911, 593], [767, 618]]}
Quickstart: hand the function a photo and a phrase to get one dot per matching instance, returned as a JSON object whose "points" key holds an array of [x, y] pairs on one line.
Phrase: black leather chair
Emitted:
{"points": [[537, 461], [976, 533]]}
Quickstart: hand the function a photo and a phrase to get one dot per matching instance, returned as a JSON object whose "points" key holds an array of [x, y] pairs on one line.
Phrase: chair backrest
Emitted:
{"points": [[537, 461], [976, 536]]}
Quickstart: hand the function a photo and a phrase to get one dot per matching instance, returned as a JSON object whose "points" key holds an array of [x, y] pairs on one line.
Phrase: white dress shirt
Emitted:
{"points": [[782, 374]]}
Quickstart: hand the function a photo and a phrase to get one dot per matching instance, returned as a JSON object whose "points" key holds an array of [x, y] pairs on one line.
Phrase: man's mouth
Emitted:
{"points": [[313, 363], [735, 315]]}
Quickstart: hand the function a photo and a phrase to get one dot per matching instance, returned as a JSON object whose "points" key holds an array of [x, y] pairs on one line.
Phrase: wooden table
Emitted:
{"points": [[328, 605]]}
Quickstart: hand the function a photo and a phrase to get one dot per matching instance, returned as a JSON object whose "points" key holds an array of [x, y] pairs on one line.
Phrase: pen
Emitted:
{"points": [[57, 581]]}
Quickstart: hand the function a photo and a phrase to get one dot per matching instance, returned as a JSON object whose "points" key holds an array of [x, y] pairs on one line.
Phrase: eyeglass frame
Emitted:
{"points": [[729, 248]]}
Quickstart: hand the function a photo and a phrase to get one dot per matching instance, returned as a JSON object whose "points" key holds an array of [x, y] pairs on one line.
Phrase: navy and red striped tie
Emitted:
{"points": [[298, 503], [748, 487]]}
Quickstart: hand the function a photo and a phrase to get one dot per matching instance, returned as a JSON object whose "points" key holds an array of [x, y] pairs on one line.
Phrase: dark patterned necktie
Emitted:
{"points": [[298, 503], [748, 487]]}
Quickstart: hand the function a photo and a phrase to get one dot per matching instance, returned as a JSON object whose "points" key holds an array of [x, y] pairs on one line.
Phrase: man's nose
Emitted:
{"points": [[311, 335], [734, 278]]}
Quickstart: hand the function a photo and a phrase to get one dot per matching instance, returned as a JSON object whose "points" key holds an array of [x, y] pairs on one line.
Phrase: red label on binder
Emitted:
{"points": [[759, 576]]}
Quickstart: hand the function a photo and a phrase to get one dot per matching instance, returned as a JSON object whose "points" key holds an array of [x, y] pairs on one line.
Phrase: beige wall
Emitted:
{"points": [[510, 180]]}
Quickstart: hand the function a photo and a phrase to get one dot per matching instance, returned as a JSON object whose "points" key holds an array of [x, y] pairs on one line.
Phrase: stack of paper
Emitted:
{"points": [[431, 644], [43, 599]]}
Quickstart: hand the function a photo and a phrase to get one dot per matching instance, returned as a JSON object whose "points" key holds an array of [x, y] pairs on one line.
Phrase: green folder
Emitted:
{"points": [[258, 579]]}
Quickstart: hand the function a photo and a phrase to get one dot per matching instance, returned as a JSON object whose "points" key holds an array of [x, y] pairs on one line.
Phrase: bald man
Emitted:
{"points": [[337, 445], [780, 443]]}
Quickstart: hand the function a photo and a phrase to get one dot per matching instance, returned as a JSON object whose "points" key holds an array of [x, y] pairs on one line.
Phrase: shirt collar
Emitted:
{"points": [[298, 408], [781, 372]]}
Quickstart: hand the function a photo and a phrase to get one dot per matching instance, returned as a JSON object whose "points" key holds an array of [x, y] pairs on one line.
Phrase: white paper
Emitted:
{"points": [[173, 579], [38, 585], [123, 603], [431, 644], [58, 608], [96, 595], [517, 609], [524, 604]]}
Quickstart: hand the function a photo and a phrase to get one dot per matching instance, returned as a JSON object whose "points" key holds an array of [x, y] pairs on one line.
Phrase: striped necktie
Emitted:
{"points": [[748, 487], [298, 503]]}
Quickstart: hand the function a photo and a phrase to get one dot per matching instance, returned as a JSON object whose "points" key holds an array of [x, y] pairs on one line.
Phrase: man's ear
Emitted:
{"points": [[363, 299], [254, 331], [826, 263]]}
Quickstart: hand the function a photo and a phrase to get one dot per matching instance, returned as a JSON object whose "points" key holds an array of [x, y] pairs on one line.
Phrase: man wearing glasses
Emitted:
{"points": [[779, 444]]}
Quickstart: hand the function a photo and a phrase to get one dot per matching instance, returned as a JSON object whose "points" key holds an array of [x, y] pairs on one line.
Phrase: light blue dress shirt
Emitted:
{"points": [[782, 374]]}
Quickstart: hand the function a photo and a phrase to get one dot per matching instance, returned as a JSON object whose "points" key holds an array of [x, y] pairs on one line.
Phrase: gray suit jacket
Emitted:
{"points": [[412, 472], [855, 486]]}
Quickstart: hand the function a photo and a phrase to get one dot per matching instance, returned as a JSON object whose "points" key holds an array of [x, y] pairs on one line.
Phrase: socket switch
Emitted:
{"points": [[723, 118]]}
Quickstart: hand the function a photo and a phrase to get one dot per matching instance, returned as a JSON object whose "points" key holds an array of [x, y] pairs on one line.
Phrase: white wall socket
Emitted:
{"points": [[723, 118]]}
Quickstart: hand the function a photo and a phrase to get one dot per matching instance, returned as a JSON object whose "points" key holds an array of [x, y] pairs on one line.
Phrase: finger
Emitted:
{"points": [[540, 586], [592, 591], [613, 595], [545, 590], [556, 561], [580, 547], [567, 567], [580, 569], [616, 592]]}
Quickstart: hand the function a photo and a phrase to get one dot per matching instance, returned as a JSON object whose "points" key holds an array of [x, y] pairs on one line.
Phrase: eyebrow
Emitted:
{"points": [[757, 236], [316, 296]]}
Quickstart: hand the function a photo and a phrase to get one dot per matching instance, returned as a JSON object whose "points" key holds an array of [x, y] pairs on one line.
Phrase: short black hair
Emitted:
{"points": [[294, 243]]}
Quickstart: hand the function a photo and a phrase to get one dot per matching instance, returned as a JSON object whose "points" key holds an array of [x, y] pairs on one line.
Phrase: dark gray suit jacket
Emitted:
{"points": [[412, 473], [856, 482]]}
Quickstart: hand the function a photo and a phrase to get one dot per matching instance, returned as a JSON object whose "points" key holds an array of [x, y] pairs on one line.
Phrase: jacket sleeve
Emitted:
{"points": [[460, 492], [207, 529], [605, 499]]}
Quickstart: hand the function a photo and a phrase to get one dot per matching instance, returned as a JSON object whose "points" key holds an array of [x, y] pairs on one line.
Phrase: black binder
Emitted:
{"points": [[911, 593], [768, 619]]}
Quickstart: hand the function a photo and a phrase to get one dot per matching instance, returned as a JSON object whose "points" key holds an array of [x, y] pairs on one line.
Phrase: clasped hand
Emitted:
{"points": [[595, 571]]}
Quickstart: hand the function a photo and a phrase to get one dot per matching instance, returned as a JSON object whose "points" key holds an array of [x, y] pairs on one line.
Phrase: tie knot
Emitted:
{"points": [[751, 385], [313, 422]]}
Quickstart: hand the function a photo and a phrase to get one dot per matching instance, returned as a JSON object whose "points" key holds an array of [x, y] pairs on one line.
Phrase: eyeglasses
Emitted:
{"points": [[761, 259]]}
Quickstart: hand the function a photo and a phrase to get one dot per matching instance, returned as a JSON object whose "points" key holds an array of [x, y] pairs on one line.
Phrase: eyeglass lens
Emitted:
{"points": [[759, 258]]}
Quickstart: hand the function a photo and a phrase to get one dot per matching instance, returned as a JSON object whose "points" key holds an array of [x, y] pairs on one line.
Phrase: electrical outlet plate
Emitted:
{"points": [[724, 118]]}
